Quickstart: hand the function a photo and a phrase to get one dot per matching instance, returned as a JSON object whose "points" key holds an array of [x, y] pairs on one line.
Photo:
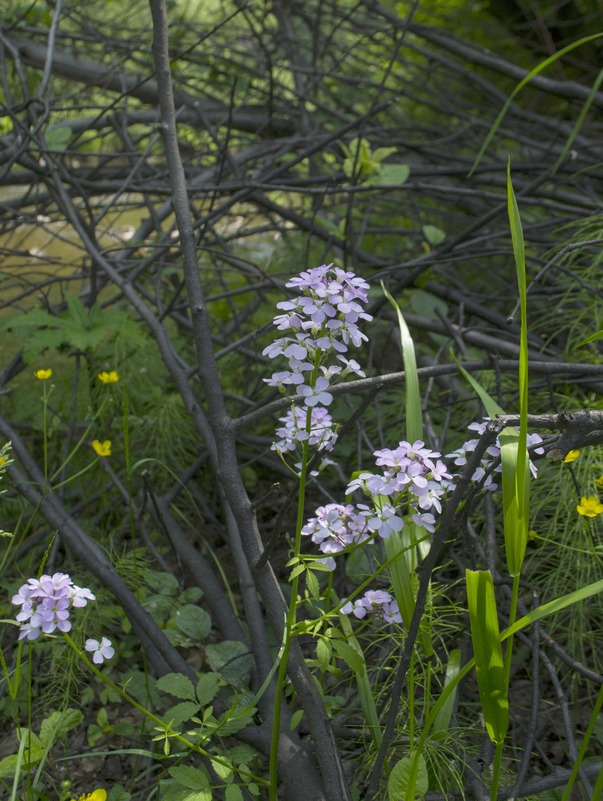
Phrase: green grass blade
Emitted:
{"points": [[517, 537], [365, 693], [580, 121], [489, 665], [536, 71], [441, 722], [414, 410]]}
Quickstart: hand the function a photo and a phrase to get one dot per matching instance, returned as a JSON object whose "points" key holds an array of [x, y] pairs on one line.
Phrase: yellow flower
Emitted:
{"points": [[102, 449], [108, 378], [95, 795], [43, 375], [599, 481], [590, 507], [571, 457]]}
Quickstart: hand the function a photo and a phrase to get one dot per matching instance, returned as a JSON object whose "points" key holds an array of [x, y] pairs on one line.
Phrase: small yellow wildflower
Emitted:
{"points": [[102, 449], [108, 378], [95, 795], [43, 375], [589, 507], [599, 481], [571, 457]]}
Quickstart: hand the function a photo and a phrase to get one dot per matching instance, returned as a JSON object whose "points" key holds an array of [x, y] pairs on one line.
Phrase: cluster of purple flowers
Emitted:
{"points": [[490, 463], [322, 322], [378, 602], [414, 478], [46, 604], [411, 485]]}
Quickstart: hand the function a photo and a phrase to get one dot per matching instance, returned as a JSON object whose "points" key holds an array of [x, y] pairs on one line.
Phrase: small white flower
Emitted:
{"points": [[100, 650]]}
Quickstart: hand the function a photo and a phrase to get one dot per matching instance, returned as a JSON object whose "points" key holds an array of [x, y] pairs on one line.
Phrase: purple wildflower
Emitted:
{"points": [[46, 603]]}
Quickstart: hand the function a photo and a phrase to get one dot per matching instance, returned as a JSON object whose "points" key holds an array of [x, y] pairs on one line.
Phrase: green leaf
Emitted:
{"points": [[296, 719], [179, 713], [489, 665], [233, 793], [426, 304], [118, 793], [516, 537], [349, 655], [232, 660], [193, 621], [177, 685], [190, 777], [57, 724], [57, 138], [414, 410], [390, 175], [323, 653], [441, 721], [207, 688], [591, 338], [312, 584], [162, 583], [31, 753], [433, 235], [398, 785], [225, 772]]}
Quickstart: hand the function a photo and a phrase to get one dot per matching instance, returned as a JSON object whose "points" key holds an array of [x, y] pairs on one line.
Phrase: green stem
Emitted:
{"points": [[45, 428], [289, 623]]}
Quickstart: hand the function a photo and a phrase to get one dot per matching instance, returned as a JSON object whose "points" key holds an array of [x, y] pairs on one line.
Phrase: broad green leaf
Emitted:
{"points": [[433, 235], [233, 793], [489, 665], [349, 655], [57, 138], [190, 777], [57, 724], [31, 753], [391, 175], [178, 685], [193, 621], [207, 688], [179, 713], [232, 660], [118, 793], [225, 772], [427, 304], [163, 583], [399, 783]]}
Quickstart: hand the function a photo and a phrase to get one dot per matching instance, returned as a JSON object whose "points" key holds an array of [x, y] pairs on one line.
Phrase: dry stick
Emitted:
{"points": [[246, 421], [301, 782], [426, 569]]}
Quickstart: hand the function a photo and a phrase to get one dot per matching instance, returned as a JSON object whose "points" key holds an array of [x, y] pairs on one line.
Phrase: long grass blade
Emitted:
{"points": [[489, 664], [414, 411], [536, 71]]}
